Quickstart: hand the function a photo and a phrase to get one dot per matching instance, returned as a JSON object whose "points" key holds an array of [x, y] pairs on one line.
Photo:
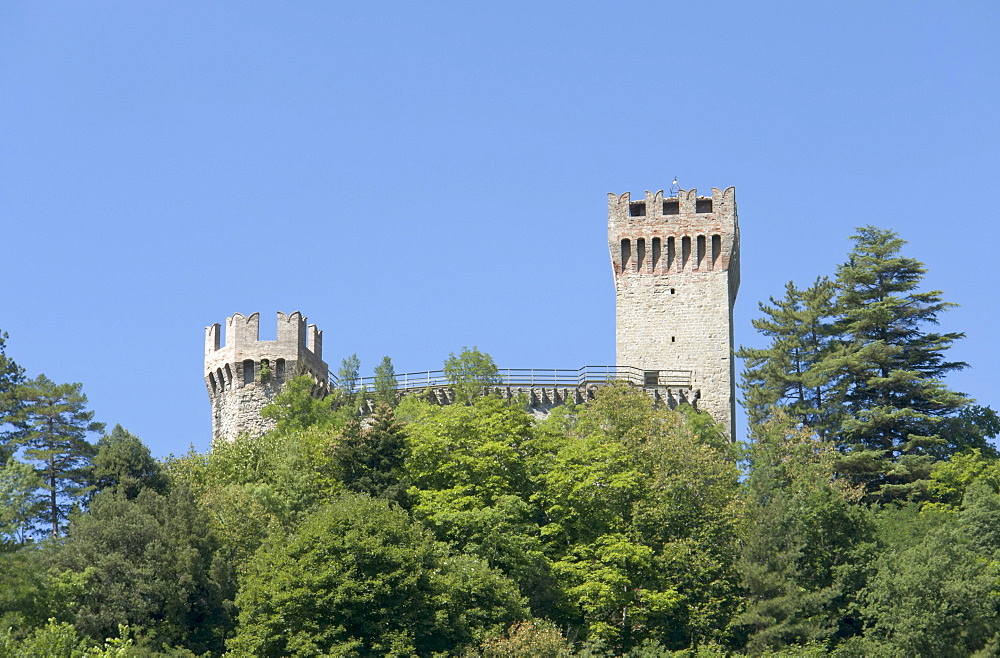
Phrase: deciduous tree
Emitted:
{"points": [[360, 578], [149, 562], [123, 462], [11, 376], [470, 373], [385, 383]]}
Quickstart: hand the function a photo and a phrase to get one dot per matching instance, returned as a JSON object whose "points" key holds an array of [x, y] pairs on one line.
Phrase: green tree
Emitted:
{"points": [[896, 400], [360, 578], [368, 456], [470, 467], [24, 596], [933, 595], [347, 382], [124, 462], [662, 487], [148, 562], [11, 377], [254, 486], [795, 371], [19, 503], [470, 373], [385, 383], [54, 640], [53, 424], [296, 408], [805, 539]]}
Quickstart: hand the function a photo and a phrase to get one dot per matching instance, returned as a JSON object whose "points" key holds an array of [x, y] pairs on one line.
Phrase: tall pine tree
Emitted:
{"points": [[53, 424], [892, 367], [796, 371]]}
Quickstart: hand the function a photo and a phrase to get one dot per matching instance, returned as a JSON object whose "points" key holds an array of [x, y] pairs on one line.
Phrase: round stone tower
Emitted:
{"points": [[245, 373], [677, 270]]}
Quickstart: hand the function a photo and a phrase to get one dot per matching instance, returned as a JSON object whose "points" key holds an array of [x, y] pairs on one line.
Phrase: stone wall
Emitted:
{"points": [[676, 269], [243, 375]]}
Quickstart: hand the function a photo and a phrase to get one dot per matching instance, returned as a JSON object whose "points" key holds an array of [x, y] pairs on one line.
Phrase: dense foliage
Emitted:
{"points": [[861, 519]]}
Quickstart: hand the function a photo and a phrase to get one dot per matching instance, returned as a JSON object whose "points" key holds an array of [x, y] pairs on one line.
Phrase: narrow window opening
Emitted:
{"points": [[640, 253], [685, 251], [672, 291], [703, 205], [671, 252], [656, 252], [701, 251], [247, 372], [671, 207], [716, 248], [279, 370], [637, 209], [626, 253], [673, 339]]}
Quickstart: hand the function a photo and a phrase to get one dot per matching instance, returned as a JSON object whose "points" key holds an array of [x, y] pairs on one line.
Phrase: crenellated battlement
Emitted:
{"points": [[682, 208], [661, 234], [244, 373]]}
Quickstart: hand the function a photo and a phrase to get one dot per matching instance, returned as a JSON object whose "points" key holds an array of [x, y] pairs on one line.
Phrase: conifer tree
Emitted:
{"points": [[804, 543], [369, 455], [53, 424], [892, 368], [795, 371]]}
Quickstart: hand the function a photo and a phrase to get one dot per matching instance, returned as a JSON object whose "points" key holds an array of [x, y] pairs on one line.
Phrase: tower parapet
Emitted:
{"points": [[244, 374], [677, 273]]}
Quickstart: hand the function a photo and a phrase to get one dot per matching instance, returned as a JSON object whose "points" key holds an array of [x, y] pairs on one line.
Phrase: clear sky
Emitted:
{"points": [[415, 177]]}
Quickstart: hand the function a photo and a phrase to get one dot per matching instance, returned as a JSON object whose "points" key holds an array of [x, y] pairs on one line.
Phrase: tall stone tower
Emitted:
{"points": [[246, 373], [677, 270]]}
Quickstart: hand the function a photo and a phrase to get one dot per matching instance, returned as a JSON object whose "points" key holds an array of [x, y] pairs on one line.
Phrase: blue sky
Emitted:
{"points": [[415, 177]]}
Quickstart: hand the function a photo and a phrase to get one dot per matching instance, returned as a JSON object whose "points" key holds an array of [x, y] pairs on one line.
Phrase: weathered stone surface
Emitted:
{"points": [[677, 272], [245, 374], [676, 269]]}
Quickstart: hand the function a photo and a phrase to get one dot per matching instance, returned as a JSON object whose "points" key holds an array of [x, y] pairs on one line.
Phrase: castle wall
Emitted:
{"points": [[238, 411], [676, 268], [245, 374]]}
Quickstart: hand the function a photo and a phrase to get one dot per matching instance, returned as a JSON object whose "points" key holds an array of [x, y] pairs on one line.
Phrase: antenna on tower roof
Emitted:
{"points": [[675, 189]]}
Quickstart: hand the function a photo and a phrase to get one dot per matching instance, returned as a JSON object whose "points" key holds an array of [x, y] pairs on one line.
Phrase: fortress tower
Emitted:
{"points": [[677, 270], [246, 373]]}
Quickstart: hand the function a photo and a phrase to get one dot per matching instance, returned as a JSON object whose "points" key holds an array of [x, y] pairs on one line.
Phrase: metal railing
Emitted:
{"points": [[541, 377]]}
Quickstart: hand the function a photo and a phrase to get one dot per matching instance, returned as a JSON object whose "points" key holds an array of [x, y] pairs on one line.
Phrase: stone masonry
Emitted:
{"points": [[245, 374], [677, 271]]}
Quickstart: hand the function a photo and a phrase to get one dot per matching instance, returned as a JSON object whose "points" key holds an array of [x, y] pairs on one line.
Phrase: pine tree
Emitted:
{"points": [[892, 368], [53, 424], [369, 455], [795, 372], [804, 539]]}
